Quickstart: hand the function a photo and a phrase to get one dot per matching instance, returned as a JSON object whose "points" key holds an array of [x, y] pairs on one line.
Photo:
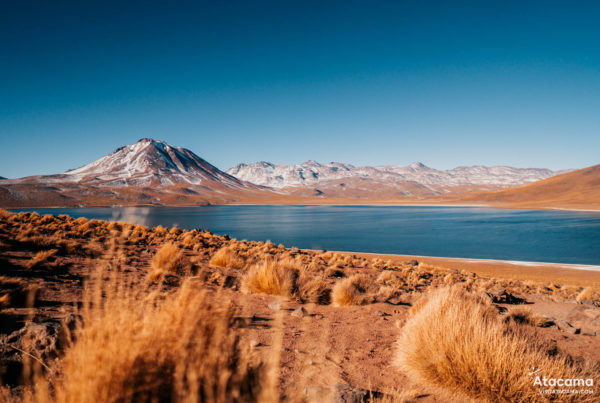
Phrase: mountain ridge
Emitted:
{"points": [[312, 173], [154, 173]]}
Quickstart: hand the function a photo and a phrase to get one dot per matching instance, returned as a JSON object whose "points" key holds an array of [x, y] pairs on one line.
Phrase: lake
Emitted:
{"points": [[465, 232]]}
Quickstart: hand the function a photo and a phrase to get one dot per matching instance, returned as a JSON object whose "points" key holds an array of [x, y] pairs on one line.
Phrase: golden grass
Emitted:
{"points": [[140, 344], [351, 291], [457, 341], [313, 288], [227, 257], [586, 293], [524, 315], [270, 277], [170, 259], [41, 258]]}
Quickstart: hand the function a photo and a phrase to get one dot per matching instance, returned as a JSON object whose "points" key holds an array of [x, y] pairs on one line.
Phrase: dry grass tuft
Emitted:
{"points": [[41, 258], [586, 293], [227, 257], [352, 291], [170, 260], [313, 288], [138, 344], [457, 341], [523, 315], [270, 277]]}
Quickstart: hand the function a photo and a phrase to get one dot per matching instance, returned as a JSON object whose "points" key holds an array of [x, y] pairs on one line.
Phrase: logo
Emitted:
{"points": [[562, 386]]}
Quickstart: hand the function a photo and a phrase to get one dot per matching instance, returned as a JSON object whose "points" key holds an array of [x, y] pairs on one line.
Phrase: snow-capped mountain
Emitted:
{"points": [[151, 162], [312, 173], [148, 172], [147, 162]]}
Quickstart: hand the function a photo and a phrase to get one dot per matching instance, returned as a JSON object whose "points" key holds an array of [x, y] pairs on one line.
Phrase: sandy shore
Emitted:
{"points": [[574, 274]]}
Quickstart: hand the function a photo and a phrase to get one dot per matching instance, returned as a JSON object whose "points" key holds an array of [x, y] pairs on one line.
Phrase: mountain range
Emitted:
{"points": [[344, 180], [152, 172]]}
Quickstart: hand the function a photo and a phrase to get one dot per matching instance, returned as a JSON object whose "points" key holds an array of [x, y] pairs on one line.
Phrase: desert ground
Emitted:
{"points": [[109, 311]]}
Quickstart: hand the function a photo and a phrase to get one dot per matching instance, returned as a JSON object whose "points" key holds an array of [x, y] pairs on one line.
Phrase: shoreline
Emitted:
{"points": [[544, 272], [547, 272], [334, 204], [570, 266]]}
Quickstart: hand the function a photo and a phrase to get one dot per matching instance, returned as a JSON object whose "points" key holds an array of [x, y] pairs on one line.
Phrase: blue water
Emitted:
{"points": [[468, 232]]}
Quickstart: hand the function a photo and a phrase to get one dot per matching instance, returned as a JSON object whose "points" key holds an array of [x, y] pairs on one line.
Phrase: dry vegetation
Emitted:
{"points": [[139, 344], [456, 340], [170, 260], [157, 320]]}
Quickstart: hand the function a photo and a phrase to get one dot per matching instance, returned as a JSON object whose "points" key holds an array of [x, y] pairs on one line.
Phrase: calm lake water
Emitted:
{"points": [[468, 232]]}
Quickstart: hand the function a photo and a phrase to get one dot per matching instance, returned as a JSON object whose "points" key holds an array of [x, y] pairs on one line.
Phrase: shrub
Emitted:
{"points": [[525, 316], [457, 341], [227, 257], [586, 293], [169, 259], [313, 288], [352, 291], [138, 344], [270, 277]]}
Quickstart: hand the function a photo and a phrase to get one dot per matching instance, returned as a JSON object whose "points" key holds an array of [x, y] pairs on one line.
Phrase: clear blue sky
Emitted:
{"points": [[365, 82]]}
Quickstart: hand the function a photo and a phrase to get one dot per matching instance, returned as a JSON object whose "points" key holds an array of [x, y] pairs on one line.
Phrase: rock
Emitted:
{"points": [[381, 313], [255, 343], [587, 302], [275, 305], [586, 331], [584, 316], [592, 313], [547, 322], [501, 296], [566, 327], [299, 313], [339, 394]]}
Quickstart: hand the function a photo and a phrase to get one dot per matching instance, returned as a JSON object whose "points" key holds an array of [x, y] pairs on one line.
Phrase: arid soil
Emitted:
{"points": [[331, 320]]}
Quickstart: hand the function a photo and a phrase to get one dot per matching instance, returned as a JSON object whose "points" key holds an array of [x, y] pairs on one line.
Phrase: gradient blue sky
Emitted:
{"points": [[365, 82]]}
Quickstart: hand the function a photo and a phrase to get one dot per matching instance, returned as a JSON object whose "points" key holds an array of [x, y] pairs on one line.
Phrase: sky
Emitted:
{"points": [[362, 82]]}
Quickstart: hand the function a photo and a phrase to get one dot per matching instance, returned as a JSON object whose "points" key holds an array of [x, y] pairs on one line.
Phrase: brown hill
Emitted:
{"points": [[576, 189]]}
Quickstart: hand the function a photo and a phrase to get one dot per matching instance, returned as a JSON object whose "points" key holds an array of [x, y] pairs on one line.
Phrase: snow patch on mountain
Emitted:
{"points": [[312, 173]]}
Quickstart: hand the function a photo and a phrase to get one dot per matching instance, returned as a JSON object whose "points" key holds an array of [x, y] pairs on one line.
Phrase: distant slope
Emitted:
{"points": [[576, 189]]}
